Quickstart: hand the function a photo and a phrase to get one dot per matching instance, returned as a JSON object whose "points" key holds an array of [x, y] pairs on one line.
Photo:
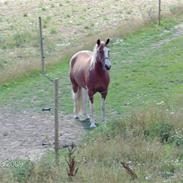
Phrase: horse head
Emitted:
{"points": [[102, 54]]}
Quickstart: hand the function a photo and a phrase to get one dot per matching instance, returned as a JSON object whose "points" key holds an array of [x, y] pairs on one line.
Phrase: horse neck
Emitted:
{"points": [[98, 68]]}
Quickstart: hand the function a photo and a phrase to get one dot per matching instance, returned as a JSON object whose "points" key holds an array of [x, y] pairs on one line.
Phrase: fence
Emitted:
{"points": [[56, 86]]}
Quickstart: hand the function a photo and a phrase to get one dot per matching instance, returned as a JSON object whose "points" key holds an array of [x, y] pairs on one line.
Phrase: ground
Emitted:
{"points": [[29, 135]]}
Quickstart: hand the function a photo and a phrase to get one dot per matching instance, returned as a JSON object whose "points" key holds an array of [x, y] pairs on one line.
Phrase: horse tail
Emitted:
{"points": [[79, 95], [78, 99]]}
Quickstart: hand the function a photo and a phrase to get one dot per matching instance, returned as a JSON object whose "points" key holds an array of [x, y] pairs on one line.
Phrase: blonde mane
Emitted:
{"points": [[94, 56]]}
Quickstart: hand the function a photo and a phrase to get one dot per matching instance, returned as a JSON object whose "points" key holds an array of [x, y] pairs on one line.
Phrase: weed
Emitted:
{"points": [[129, 170], [71, 162]]}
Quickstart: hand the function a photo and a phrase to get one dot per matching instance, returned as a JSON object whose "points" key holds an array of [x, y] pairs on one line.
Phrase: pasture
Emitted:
{"points": [[65, 23], [144, 105]]}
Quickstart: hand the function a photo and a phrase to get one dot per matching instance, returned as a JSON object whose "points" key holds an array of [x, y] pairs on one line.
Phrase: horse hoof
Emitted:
{"points": [[93, 125]]}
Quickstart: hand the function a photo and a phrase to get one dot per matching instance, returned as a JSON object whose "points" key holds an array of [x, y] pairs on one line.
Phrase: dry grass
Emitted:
{"points": [[150, 159], [68, 25]]}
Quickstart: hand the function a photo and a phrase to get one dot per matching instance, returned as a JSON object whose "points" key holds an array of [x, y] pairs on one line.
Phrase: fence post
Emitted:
{"points": [[159, 13], [56, 120], [41, 47]]}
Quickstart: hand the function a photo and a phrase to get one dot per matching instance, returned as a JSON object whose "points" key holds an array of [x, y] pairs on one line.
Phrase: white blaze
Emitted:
{"points": [[107, 59]]}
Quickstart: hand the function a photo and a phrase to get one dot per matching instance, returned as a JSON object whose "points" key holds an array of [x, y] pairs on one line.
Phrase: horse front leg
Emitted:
{"points": [[92, 121], [103, 109], [103, 97]]}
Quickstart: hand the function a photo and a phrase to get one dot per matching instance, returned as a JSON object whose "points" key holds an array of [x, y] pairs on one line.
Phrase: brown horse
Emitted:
{"points": [[89, 74]]}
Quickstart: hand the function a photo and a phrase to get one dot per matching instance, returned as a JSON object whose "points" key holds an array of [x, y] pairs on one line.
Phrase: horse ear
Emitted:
{"points": [[98, 42], [107, 42]]}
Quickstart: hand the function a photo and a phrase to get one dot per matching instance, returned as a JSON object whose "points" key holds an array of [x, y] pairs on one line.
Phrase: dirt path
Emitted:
{"points": [[175, 32], [25, 135]]}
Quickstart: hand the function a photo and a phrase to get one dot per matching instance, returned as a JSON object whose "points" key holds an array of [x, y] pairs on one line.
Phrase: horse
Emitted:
{"points": [[89, 74]]}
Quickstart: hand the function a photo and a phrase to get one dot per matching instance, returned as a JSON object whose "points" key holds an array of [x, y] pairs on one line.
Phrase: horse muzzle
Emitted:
{"points": [[107, 67]]}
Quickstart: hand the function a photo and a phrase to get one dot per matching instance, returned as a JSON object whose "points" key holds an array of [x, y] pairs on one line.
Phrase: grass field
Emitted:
{"points": [[65, 24], [144, 73], [144, 108]]}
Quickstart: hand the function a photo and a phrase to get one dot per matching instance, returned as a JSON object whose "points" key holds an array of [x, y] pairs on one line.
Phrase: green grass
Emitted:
{"points": [[147, 75]]}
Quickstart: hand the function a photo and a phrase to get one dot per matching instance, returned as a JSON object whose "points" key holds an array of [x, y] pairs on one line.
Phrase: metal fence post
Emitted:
{"points": [[159, 13], [56, 119], [41, 47]]}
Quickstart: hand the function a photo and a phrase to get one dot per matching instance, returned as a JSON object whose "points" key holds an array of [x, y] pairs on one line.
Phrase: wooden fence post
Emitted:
{"points": [[41, 47], [56, 85]]}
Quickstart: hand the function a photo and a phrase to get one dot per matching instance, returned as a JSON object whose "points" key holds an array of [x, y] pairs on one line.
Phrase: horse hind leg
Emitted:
{"points": [[84, 103]]}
